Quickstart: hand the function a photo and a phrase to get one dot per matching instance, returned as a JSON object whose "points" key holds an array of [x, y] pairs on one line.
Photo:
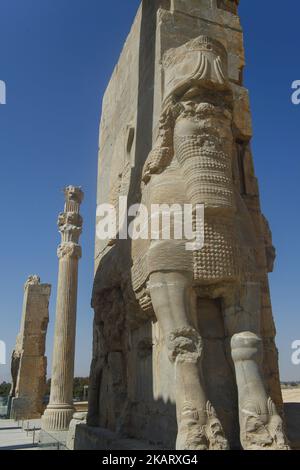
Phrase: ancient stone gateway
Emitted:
{"points": [[29, 364], [184, 351]]}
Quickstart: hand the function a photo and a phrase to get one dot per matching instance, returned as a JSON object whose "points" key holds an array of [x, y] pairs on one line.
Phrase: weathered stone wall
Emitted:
{"points": [[29, 363], [132, 380]]}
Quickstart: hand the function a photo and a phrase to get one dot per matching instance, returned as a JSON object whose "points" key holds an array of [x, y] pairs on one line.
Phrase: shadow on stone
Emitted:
{"points": [[292, 417]]}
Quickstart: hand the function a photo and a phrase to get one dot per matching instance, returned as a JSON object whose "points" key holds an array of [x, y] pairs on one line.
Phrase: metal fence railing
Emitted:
{"points": [[40, 438], [49, 442], [3, 407]]}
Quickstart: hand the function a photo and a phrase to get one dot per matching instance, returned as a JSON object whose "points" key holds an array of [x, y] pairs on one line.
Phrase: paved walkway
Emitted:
{"points": [[14, 437]]}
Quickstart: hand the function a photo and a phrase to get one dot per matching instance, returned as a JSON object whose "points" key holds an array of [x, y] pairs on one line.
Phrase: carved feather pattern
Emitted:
{"points": [[218, 69], [203, 68]]}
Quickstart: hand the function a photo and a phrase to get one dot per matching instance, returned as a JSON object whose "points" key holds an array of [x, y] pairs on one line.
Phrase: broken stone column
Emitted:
{"points": [[29, 363], [60, 409]]}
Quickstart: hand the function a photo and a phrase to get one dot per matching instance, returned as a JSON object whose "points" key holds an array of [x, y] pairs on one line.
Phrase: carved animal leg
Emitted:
{"points": [[198, 425], [261, 426]]}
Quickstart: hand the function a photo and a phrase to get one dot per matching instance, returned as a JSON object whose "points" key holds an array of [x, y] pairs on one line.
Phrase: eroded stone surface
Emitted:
{"points": [[184, 351], [29, 363]]}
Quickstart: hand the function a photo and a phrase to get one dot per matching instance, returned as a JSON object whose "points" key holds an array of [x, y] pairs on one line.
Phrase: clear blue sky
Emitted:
{"points": [[56, 59]]}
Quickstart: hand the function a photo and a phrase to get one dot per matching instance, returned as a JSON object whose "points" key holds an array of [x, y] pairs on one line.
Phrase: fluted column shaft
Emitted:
{"points": [[65, 330], [60, 409]]}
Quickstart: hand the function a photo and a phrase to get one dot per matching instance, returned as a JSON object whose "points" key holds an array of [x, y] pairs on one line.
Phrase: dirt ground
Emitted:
{"points": [[291, 395]]}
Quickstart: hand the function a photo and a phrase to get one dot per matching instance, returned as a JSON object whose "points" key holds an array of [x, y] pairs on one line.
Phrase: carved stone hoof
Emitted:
{"points": [[256, 436], [254, 444], [214, 430], [191, 436], [264, 432], [276, 428], [217, 440]]}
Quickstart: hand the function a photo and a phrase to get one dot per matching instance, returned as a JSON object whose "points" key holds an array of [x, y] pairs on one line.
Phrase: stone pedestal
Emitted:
{"points": [[89, 438], [60, 409]]}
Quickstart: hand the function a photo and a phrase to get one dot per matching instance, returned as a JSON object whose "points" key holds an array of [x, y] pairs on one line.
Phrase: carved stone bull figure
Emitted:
{"points": [[193, 162], [196, 159]]}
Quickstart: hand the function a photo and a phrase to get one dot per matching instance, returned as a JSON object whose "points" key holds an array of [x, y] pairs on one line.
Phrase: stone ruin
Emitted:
{"points": [[60, 409], [29, 363], [184, 353]]}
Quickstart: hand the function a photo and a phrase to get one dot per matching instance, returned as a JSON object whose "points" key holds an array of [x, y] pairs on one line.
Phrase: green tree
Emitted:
{"points": [[79, 383], [4, 389], [48, 387]]}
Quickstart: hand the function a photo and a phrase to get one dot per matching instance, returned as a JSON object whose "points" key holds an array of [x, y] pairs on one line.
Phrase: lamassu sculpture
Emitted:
{"points": [[184, 352], [194, 155]]}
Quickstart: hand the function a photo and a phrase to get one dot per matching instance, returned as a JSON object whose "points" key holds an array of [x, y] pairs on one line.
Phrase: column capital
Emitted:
{"points": [[70, 226], [32, 281], [70, 221], [69, 250], [74, 193], [60, 409], [73, 198], [69, 218]]}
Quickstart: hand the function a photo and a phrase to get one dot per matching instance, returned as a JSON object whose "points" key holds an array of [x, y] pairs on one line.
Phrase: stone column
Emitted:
{"points": [[60, 409], [29, 363]]}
